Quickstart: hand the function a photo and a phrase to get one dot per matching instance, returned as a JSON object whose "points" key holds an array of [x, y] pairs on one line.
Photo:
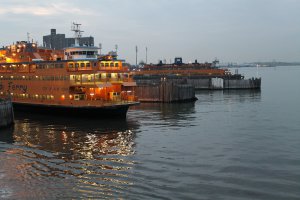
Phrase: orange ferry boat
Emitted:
{"points": [[76, 81]]}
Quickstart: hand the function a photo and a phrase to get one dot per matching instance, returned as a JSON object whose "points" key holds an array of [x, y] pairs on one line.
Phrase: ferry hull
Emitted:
{"points": [[114, 111]]}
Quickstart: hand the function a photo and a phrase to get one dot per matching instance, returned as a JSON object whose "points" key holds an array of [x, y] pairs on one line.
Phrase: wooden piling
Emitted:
{"points": [[6, 113]]}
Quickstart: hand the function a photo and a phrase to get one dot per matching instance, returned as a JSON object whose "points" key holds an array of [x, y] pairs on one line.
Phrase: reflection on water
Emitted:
{"points": [[92, 155], [81, 139], [169, 115], [6, 135], [229, 96]]}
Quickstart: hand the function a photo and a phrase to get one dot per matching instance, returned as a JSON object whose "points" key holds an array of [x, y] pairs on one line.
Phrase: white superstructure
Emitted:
{"points": [[78, 52]]}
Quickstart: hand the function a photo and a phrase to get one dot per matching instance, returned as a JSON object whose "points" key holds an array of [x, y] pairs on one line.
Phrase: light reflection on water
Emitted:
{"points": [[83, 157]]}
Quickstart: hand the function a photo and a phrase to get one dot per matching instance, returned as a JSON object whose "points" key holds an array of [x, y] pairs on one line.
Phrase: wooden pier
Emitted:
{"points": [[200, 82], [6, 113], [223, 83]]}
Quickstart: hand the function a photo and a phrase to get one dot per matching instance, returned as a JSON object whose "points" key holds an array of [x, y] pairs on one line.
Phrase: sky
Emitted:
{"points": [[230, 30]]}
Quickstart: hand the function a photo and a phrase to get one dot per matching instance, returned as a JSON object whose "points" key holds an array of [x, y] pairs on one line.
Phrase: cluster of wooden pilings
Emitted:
{"points": [[164, 91], [6, 113]]}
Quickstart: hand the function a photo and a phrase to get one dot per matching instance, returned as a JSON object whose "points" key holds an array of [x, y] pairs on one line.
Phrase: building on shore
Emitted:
{"points": [[59, 41]]}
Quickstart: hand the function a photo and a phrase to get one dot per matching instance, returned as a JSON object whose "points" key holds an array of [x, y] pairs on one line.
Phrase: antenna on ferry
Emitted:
{"points": [[116, 47], [100, 47], [146, 54], [76, 28], [136, 51], [28, 37]]}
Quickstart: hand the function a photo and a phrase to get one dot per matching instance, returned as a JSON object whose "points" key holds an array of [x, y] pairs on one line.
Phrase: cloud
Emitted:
{"points": [[46, 9]]}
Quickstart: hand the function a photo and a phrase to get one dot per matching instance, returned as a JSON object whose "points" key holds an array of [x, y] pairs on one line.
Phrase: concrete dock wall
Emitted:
{"points": [[217, 83], [223, 83], [253, 83], [199, 83], [6, 113]]}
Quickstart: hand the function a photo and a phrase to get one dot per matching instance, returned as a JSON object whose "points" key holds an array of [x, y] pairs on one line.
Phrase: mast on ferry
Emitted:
{"points": [[76, 28]]}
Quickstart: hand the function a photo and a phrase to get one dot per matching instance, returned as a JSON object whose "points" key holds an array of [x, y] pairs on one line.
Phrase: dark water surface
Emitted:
{"points": [[226, 145]]}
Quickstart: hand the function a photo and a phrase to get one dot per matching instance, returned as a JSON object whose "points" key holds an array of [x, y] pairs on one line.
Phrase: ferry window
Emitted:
{"points": [[71, 65], [76, 65], [97, 76], [111, 64], [80, 52], [116, 64], [90, 53], [95, 64], [77, 78], [84, 52], [82, 64], [106, 64], [108, 75], [102, 64], [88, 64]]}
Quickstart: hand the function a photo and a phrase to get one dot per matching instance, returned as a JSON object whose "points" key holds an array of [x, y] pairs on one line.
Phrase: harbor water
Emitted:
{"points": [[238, 144]]}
